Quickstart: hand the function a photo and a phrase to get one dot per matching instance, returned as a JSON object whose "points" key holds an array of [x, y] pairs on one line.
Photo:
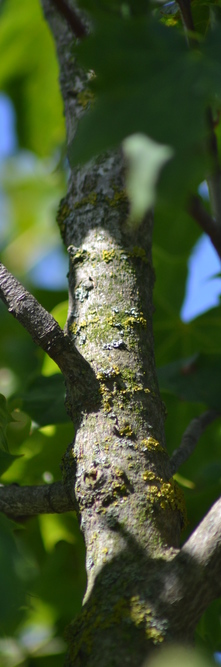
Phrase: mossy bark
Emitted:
{"points": [[130, 511]]}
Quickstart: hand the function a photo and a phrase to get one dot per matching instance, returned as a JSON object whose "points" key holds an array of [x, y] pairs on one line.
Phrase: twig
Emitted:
{"points": [[26, 501], [186, 14], [190, 438], [71, 17], [206, 222], [214, 180], [41, 325], [47, 333]]}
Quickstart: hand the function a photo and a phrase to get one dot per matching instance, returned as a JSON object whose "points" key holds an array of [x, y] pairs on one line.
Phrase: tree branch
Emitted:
{"points": [[206, 222], [73, 20], [192, 579], [204, 546], [214, 180], [190, 438], [27, 501], [81, 383], [40, 324], [186, 14]]}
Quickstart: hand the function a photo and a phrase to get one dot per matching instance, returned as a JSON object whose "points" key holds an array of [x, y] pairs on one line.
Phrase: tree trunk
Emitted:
{"points": [[141, 589]]}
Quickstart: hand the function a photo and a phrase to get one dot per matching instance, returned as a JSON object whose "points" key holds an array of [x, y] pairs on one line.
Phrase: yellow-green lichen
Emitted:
{"points": [[85, 97], [127, 321], [119, 489], [142, 616], [168, 495], [89, 199], [108, 374], [150, 476], [140, 253], [133, 321], [119, 472], [126, 431], [108, 255], [62, 215], [152, 445], [119, 197], [73, 328], [131, 611], [139, 387]]}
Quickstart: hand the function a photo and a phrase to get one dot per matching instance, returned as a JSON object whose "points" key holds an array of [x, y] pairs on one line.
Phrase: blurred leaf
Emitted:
{"points": [[44, 400], [33, 188], [196, 379], [19, 429], [60, 311], [5, 419], [6, 461], [66, 596], [145, 160], [173, 239], [53, 530], [209, 627], [29, 74], [141, 87], [42, 453], [12, 589], [171, 656]]}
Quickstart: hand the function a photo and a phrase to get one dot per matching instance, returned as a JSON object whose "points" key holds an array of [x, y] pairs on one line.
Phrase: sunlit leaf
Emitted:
{"points": [[145, 160], [29, 74]]}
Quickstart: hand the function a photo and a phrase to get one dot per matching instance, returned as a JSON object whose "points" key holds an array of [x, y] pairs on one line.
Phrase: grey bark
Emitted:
{"points": [[142, 589], [23, 502]]}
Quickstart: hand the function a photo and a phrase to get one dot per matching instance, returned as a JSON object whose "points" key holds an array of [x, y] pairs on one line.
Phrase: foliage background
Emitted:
{"points": [[42, 577]]}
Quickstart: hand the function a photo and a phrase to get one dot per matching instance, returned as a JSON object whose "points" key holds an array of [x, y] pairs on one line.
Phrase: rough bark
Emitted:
{"points": [[20, 502], [142, 589]]}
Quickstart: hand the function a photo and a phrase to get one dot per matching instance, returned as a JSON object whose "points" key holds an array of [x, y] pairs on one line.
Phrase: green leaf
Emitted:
{"points": [[146, 82], [5, 418], [44, 400], [209, 627], [12, 591], [29, 75], [145, 160], [195, 379], [140, 86], [212, 53], [6, 461]]}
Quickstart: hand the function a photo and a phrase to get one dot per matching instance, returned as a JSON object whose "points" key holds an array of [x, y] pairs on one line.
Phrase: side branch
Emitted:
{"points": [[206, 222], [214, 179], [204, 547], [27, 501], [40, 324], [186, 14], [73, 20], [192, 580], [190, 438]]}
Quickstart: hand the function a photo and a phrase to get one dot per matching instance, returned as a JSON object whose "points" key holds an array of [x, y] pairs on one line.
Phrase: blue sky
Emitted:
{"points": [[202, 288]]}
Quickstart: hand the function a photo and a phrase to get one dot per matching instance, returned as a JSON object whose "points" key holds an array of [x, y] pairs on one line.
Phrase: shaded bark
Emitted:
{"points": [[20, 502], [142, 589]]}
